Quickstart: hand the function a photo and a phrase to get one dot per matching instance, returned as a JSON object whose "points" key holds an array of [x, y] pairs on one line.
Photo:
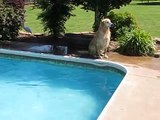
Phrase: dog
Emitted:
{"points": [[99, 44]]}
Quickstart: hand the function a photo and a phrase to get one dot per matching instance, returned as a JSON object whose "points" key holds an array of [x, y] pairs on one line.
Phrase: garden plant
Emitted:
{"points": [[136, 43], [11, 19]]}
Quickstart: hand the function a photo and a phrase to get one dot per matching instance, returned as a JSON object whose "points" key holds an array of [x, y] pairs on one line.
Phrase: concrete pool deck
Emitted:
{"points": [[137, 98]]}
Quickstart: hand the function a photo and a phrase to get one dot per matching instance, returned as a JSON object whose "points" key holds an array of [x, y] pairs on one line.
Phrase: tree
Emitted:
{"points": [[56, 12], [15, 3], [102, 7]]}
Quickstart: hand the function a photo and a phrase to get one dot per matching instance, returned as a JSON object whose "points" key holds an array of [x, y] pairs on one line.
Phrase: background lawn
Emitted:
{"points": [[148, 17], [81, 22], [31, 19]]}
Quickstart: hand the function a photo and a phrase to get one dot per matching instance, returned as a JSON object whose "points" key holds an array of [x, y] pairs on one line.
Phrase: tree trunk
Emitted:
{"points": [[96, 19]]}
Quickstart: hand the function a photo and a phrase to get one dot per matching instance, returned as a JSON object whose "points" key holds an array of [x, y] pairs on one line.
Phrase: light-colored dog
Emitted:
{"points": [[98, 46]]}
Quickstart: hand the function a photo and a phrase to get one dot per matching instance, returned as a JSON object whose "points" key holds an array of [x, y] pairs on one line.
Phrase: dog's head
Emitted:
{"points": [[107, 23]]}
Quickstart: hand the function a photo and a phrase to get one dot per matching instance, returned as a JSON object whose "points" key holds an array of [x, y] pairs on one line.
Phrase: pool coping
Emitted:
{"points": [[97, 62], [136, 98]]}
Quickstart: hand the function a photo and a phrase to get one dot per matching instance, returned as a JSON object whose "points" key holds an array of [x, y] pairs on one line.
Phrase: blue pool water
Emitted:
{"points": [[40, 90]]}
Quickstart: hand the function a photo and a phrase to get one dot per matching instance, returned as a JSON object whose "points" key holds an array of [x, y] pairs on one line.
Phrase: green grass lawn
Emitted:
{"points": [[81, 22], [148, 17], [31, 19]]}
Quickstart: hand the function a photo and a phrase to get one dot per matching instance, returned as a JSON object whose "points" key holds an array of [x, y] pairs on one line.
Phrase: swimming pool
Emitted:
{"points": [[32, 88]]}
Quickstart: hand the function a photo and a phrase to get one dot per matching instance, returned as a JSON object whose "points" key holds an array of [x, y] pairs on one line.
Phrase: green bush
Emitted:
{"points": [[136, 43], [54, 15], [10, 22], [14, 3], [123, 22]]}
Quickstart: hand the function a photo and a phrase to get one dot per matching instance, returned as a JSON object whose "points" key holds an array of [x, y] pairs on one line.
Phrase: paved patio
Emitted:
{"points": [[138, 96]]}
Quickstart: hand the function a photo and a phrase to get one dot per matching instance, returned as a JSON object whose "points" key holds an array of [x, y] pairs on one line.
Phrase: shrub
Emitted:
{"points": [[123, 22], [15, 3], [10, 22], [136, 43], [54, 15]]}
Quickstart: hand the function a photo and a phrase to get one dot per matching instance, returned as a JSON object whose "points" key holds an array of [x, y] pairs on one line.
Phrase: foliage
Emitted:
{"points": [[136, 43], [57, 12], [54, 15], [10, 22], [132, 40], [15, 3], [102, 7], [18, 6], [123, 22]]}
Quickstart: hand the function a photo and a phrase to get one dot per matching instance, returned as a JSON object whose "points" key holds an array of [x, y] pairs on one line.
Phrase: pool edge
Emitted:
{"points": [[97, 62]]}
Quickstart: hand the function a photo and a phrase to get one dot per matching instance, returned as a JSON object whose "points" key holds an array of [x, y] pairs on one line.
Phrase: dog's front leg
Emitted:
{"points": [[100, 54], [105, 53], [107, 41]]}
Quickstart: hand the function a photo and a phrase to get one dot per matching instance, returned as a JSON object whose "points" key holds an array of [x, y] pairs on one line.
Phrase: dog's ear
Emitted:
{"points": [[103, 21]]}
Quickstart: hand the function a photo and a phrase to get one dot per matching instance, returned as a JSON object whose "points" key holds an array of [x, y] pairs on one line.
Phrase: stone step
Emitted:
{"points": [[157, 39], [157, 54]]}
